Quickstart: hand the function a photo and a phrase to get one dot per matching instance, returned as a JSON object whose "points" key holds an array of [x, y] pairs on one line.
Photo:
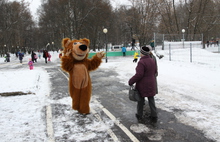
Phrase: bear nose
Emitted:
{"points": [[83, 47]]}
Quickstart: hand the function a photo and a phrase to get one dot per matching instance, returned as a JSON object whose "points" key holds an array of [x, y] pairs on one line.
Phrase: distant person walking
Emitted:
{"points": [[33, 56], [124, 51], [7, 57], [152, 44], [207, 43], [45, 55], [20, 56], [132, 44], [39, 54]]}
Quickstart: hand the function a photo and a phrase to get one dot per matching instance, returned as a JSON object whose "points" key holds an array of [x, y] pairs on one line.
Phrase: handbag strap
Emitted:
{"points": [[132, 87]]}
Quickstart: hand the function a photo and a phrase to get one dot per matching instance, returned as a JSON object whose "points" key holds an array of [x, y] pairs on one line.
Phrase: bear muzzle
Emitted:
{"points": [[83, 47]]}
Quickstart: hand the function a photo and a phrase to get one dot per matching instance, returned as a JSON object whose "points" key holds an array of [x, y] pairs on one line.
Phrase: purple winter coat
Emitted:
{"points": [[145, 76]]}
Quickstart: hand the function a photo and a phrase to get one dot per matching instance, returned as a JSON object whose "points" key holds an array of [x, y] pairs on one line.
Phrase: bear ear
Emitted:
{"points": [[86, 41], [66, 42]]}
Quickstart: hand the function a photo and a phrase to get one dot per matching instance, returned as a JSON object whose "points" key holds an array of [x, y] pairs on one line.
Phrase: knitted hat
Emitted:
{"points": [[145, 50]]}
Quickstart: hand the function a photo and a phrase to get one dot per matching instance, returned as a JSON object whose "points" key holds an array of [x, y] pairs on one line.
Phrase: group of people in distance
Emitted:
{"points": [[34, 57]]}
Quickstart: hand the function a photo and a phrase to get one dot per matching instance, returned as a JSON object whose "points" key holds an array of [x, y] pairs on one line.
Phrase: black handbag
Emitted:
{"points": [[134, 94]]}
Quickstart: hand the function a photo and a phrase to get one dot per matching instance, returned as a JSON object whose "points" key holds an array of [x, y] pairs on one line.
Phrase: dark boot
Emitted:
{"points": [[153, 119], [138, 117]]}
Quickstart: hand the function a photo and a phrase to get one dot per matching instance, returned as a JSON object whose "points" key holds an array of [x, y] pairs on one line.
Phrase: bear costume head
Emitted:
{"points": [[78, 49]]}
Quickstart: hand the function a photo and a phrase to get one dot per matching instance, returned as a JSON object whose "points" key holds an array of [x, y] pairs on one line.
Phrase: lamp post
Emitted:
{"points": [[47, 45], [5, 48], [53, 45], [105, 32], [183, 31]]}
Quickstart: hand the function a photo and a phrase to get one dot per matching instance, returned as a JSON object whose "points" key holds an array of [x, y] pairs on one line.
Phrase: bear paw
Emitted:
{"points": [[101, 54]]}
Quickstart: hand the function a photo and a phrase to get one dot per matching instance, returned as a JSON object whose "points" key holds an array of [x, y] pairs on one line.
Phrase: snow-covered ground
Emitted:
{"points": [[190, 87]]}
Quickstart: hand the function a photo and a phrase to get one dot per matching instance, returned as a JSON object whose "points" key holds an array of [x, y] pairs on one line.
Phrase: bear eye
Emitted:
{"points": [[75, 43]]}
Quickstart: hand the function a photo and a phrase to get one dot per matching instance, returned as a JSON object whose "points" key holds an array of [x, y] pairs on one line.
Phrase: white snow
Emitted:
{"points": [[192, 87]]}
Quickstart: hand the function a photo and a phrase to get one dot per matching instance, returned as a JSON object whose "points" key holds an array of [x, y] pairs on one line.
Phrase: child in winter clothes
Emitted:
{"points": [[20, 55], [135, 57], [31, 64], [49, 56], [5, 58]]}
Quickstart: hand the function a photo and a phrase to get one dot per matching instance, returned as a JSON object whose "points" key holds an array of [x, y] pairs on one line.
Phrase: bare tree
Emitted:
{"points": [[196, 17], [200, 17], [74, 19], [15, 26]]}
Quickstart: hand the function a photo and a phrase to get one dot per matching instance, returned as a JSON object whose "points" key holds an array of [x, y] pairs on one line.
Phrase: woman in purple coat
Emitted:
{"points": [[146, 83]]}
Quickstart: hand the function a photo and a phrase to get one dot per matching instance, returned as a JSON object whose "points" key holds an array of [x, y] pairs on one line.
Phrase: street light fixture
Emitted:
{"points": [[183, 31], [105, 32]]}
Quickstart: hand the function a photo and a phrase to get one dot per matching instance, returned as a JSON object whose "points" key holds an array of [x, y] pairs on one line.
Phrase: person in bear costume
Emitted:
{"points": [[75, 61]]}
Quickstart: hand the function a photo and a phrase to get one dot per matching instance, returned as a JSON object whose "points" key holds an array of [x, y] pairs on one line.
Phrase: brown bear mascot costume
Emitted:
{"points": [[75, 62]]}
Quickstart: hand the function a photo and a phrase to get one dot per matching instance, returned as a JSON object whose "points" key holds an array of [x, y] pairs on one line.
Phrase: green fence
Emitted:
{"points": [[115, 53]]}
